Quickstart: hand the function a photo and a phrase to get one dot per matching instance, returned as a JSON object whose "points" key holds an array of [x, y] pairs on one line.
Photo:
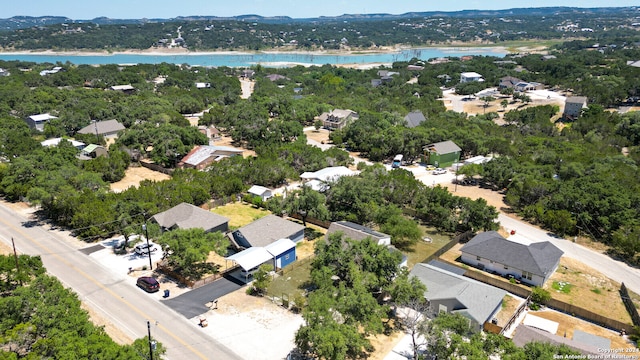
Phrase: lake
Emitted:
{"points": [[270, 59]]}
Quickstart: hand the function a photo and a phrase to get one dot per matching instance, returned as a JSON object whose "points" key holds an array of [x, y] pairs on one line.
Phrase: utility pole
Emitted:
{"points": [[146, 234], [150, 345]]}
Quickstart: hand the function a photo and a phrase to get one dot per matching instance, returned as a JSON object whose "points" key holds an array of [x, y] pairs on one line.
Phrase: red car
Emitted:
{"points": [[148, 284]]}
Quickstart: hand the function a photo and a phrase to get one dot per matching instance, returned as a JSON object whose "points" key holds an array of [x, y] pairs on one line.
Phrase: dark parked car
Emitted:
{"points": [[148, 284]]}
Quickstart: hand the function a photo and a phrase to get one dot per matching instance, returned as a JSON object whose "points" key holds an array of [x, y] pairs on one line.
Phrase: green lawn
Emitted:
{"points": [[240, 214], [423, 249], [292, 281]]}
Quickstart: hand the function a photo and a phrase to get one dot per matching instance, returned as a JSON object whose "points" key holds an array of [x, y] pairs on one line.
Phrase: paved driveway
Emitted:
{"points": [[199, 301]]}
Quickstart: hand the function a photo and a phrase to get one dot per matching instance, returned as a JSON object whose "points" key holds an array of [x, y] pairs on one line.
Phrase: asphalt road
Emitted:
{"points": [[109, 294], [199, 301], [613, 269]]}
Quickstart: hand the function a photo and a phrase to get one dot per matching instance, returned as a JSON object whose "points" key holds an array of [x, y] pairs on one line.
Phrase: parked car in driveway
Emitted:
{"points": [[144, 248], [439, 171], [148, 284]]}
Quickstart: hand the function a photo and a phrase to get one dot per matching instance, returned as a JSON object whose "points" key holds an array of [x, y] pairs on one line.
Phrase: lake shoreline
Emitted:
{"points": [[499, 49]]}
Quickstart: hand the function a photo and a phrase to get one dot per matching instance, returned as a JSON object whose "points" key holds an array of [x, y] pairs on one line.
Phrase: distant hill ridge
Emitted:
{"points": [[18, 22]]}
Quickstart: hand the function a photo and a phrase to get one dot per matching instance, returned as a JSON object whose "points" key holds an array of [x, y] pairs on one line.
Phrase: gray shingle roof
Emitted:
{"points": [[354, 231], [414, 118], [187, 216], [539, 258], [444, 147], [104, 127], [525, 334], [476, 300], [268, 229]]}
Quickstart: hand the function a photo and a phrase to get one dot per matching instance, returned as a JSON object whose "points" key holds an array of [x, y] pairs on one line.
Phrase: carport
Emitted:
{"points": [[251, 257]]}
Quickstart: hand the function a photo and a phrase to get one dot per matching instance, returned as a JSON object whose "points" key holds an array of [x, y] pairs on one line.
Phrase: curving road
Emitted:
{"points": [[613, 269], [108, 294]]}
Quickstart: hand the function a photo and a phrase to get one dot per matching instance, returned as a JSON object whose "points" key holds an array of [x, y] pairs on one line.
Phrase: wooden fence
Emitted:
{"points": [[628, 303], [553, 303], [156, 167], [312, 220]]}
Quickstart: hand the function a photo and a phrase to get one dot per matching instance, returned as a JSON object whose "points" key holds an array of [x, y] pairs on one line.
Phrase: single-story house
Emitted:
{"points": [[337, 119], [4, 72], [265, 231], [37, 121], [261, 191], [358, 232], [508, 82], [532, 264], [573, 106], [56, 141], [470, 76], [127, 89], [187, 216], [548, 57], [202, 156], [93, 151], [442, 154], [320, 180], [203, 85], [414, 118], [452, 293], [107, 129]]}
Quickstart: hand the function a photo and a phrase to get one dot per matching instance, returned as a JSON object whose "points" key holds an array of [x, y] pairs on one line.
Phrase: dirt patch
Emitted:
{"points": [[587, 288], [247, 88], [113, 331], [134, 175], [5, 249], [568, 324], [493, 198], [509, 307], [320, 135], [383, 344]]}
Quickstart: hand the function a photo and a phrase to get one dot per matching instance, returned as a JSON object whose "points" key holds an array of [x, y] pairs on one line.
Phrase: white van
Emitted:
{"points": [[397, 161]]}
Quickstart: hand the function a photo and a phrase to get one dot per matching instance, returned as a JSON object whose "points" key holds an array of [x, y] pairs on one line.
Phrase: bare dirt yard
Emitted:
{"points": [[134, 175], [580, 285], [320, 135]]}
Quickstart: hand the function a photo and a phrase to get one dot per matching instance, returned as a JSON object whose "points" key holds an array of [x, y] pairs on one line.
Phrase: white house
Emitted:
{"points": [[37, 121], [261, 191], [320, 180], [532, 264], [470, 76]]}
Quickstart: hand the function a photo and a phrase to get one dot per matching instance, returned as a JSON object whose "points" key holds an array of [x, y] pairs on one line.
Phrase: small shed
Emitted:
{"points": [[283, 252], [261, 191]]}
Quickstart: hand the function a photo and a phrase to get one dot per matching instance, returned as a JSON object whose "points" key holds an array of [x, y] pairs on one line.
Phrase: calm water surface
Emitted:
{"points": [[249, 59]]}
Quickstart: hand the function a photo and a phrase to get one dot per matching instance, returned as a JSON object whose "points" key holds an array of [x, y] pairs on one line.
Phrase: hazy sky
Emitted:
{"points": [[134, 9]]}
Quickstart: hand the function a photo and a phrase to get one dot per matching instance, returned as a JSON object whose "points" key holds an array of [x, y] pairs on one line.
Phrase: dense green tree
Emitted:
{"points": [[189, 249]]}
